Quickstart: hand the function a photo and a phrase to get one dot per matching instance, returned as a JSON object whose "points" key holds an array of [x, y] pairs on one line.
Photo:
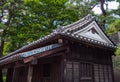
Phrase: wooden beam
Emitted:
{"points": [[19, 64], [30, 72], [60, 41], [63, 67], [34, 62], [29, 59], [87, 43]]}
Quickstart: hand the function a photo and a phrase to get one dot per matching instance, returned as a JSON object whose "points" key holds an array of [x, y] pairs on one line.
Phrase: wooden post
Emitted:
{"points": [[9, 75], [1, 77], [30, 71], [63, 69], [14, 79], [112, 70]]}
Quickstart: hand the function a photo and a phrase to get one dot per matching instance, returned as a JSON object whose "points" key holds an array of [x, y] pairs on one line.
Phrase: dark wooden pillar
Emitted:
{"points": [[113, 78], [1, 77], [30, 72], [9, 75], [63, 70]]}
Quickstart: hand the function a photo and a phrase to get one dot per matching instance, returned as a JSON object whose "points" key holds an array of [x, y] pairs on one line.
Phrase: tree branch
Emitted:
{"points": [[102, 7]]}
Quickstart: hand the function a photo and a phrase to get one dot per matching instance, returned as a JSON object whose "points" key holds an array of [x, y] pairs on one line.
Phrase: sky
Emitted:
{"points": [[111, 5]]}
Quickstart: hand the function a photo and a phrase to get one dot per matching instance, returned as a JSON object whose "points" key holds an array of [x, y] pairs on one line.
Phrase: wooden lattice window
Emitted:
{"points": [[78, 72], [72, 72], [86, 72], [69, 71]]}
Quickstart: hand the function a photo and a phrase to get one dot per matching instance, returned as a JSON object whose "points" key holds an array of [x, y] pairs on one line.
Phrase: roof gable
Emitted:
{"points": [[87, 29], [93, 31]]}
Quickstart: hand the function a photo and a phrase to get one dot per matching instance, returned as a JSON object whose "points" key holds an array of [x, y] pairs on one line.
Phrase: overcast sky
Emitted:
{"points": [[111, 5]]}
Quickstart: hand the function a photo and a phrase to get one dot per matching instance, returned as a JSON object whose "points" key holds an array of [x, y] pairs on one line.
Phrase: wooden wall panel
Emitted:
{"points": [[90, 54], [9, 75], [100, 60], [20, 74], [103, 73]]}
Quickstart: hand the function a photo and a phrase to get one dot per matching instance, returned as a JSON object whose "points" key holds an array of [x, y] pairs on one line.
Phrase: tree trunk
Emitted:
{"points": [[2, 43], [1, 53], [102, 2], [102, 7], [3, 38]]}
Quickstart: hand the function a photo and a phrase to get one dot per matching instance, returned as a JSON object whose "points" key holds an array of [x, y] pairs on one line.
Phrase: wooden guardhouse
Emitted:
{"points": [[79, 52]]}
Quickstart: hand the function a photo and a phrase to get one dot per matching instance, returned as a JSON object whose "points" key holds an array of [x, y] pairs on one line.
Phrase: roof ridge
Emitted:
{"points": [[81, 22], [74, 25]]}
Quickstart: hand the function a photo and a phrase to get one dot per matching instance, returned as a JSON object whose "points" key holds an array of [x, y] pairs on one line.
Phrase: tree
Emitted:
{"points": [[82, 6], [8, 8], [86, 6], [102, 2], [36, 20]]}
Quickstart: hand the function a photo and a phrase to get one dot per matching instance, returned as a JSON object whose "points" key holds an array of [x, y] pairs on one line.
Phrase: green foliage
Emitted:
{"points": [[114, 27], [118, 63], [82, 7], [118, 50], [118, 0], [6, 48], [35, 19], [4, 78]]}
